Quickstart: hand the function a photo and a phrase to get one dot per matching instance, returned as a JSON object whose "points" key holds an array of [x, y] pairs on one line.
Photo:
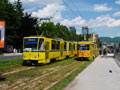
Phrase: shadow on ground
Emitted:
{"points": [[81, 59]]}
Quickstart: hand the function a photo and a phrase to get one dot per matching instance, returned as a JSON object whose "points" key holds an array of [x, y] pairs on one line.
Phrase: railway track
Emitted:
{"points": [[60, 79], [16, 71], [53, 84], [30, 84]]}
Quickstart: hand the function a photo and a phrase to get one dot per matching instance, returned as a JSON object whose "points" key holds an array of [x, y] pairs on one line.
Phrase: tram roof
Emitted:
{"points": [[85, 42], [44, 37]]}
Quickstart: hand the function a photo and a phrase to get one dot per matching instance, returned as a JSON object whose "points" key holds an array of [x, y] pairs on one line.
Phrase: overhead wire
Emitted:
{"points": [[76, 7], [78, 13], [73, 12]]}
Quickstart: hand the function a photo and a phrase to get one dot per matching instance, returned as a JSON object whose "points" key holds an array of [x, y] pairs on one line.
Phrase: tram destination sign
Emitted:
{"points": [[2, 33]]}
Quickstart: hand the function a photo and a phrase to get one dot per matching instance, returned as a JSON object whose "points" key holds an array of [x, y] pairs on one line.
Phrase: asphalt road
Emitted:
{"points": [[10, 57], [102, 74]]}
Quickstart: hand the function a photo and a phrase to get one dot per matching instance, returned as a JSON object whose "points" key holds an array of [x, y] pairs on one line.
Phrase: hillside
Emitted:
{"points": [[110, 40]]}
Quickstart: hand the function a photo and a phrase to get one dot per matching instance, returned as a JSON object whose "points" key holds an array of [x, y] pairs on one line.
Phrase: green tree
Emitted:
{"points": [[2, 9], [11, 23], [48, 30], [28, 28]]}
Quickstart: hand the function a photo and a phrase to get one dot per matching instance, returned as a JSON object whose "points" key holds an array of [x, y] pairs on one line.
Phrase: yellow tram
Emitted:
{"points": [[42, 50], [87, 50]]}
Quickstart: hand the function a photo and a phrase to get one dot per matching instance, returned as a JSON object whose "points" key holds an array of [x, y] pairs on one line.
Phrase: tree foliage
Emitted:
{"points": [[18, 23], [49, 29], [28, 28], [21, 24]]}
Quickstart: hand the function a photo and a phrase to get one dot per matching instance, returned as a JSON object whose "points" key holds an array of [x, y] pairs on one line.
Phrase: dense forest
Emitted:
{"points": [[21, 24]]}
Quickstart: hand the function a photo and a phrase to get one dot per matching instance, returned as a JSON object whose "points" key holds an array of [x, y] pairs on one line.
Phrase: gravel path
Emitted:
{"points": [[102, 74]]}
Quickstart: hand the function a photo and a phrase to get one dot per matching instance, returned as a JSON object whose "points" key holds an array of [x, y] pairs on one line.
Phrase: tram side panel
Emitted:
{"points": [[43, 50]]}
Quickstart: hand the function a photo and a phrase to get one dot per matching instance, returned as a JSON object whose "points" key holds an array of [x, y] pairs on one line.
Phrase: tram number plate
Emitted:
{"points": [[82, 51]]}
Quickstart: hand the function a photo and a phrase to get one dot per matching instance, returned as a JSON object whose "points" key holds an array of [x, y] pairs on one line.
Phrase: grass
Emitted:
{"points": [[1, 54], [46, 82], [68, 79], [9, 65], [28, 75]]}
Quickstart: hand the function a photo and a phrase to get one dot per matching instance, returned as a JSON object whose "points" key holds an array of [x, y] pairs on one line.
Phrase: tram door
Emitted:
{"points": [[47, 50], [72, 49], [62, 49]]}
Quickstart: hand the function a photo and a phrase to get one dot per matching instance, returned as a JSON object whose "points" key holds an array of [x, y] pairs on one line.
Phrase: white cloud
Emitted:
{"points": [[101, 7], [78, 21], [104, 21], [54, 8], [31, 5], [51, 10], [101, 21], [116, 14], [111, 37], [115, 24], [57, 17], [118, 2]]}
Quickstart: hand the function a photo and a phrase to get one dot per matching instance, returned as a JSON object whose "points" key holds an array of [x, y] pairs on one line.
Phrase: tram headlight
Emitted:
{"points": [[35, 56], [24, 56]]}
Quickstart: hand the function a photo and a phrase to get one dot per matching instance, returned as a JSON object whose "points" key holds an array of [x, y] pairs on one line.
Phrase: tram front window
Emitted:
{"points": [[110, 49], [30, 44], [83, 47]]}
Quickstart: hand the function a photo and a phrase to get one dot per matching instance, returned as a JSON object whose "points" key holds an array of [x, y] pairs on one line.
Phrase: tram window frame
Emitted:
{"points": [[41, 45], [57, 45], [75, 46], [65, 45], [53, 44], [0, 35]]}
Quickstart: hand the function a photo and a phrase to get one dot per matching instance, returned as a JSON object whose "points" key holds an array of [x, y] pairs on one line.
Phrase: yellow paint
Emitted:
{"points": [[89, 54], [47, 54]]}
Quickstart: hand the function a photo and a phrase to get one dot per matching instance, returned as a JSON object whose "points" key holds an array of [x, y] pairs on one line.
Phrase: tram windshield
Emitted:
{"points": [[83, 47], [30, 43]]}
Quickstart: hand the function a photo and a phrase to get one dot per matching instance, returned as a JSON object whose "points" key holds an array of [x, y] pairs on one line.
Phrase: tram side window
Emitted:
{"points": [[74, 47], [58, 45], [41, 44], [70, 46], [53, 44], [65, 46], [78, 46]]}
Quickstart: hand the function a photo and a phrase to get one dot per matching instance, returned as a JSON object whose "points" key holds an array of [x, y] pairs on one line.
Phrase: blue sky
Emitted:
{"points": [[101, 16]]}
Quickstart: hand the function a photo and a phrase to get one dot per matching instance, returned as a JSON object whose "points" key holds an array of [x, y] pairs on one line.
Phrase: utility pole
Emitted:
{"points": [[45, 20]]}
